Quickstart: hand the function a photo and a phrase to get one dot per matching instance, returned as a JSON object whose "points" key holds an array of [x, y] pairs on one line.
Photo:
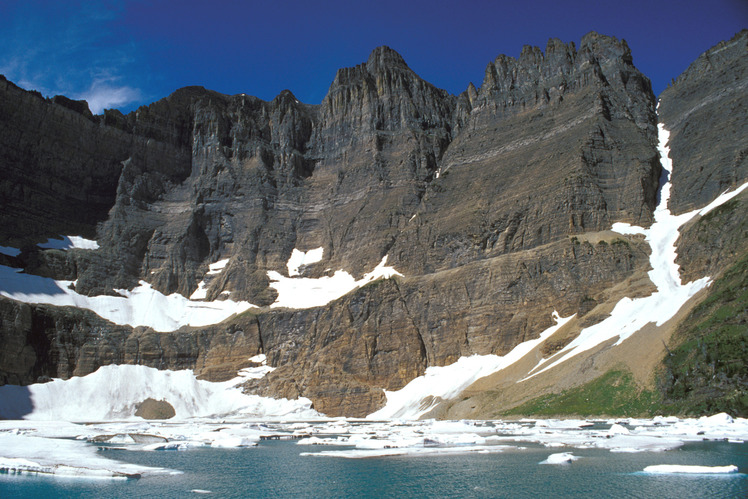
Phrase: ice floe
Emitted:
{"points": [[28, 454], [560, 458], [420, 395], [680, 468], [141, 306], [306, 292]]}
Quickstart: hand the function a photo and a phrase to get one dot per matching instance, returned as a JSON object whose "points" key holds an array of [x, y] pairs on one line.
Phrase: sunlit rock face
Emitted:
{"points": [[491, 208]]}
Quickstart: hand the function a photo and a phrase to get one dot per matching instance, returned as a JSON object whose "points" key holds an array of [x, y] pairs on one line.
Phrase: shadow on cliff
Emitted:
{"points": [[15, 402], [13, 282]]}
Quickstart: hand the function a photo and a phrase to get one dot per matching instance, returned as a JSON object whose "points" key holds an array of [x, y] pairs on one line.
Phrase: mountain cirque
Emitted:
{"points": [[495, 205]]}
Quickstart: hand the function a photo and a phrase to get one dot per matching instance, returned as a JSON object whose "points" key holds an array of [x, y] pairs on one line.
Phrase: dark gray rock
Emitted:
{"points": [[706, 112]]}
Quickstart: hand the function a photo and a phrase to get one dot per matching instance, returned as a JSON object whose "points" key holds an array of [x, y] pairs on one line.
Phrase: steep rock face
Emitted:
{"points": [[54, 156], [42, 342], [539, 156], [706, 110], [474, 198], [388, 332]]}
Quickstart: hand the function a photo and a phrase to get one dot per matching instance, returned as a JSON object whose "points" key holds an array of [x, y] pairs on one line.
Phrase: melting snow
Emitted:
{"points": [[300, 258], [630, 315], [304, 292], [419, 396], [142, 306], [114, 391], [68, 242]]}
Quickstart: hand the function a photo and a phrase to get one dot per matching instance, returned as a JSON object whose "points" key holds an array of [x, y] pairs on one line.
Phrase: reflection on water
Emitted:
{"points": [[275, 469]]}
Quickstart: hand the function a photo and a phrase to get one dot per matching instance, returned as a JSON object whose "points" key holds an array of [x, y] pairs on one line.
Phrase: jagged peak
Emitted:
{"points": [[285, 97], [384, 57]]}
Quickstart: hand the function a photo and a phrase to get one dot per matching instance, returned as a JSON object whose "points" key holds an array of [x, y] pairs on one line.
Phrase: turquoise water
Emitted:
{"points": [[275, 469]]}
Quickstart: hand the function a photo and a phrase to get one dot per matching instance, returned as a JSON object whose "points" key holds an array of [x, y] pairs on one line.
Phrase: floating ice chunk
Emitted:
{"points": [[300, 258], [7, 250], [68, 242], [201, 491], [54, 456], [233, 442], [405, 451], [680, 468], [560, 458]]}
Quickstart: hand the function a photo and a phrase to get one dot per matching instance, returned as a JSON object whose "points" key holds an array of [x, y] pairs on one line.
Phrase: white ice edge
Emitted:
{"points": [[51, 443], [304, 292], [141, 306], [630, 315], [681, 468], [419, 396]]}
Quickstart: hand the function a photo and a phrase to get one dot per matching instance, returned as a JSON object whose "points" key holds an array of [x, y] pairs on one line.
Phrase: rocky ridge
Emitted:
{"points": [[490, 203]]}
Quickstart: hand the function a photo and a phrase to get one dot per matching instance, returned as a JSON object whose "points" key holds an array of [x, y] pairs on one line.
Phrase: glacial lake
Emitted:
{"points": [[277, 469]]}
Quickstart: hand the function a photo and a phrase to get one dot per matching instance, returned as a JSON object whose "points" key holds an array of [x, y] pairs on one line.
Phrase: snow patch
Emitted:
{"points": [[300, 258], [115, 391], [304, 292], [420, 395], [7, 250], [142, 306], [68, 242], [631, 315]]}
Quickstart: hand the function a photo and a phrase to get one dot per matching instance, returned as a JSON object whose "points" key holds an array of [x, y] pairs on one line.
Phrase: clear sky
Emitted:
{"points": [[125, 53]]}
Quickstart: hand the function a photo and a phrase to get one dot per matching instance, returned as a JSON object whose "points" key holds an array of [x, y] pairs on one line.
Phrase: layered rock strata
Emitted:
{"points": [[485, 201]]}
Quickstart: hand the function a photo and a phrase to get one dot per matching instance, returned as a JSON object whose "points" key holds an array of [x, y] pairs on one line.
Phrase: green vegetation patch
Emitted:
{"points": [[615, 393], [706, 371]]}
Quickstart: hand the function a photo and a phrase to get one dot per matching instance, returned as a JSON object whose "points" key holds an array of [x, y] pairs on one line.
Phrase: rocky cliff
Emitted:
{"points": [[494, 205]]}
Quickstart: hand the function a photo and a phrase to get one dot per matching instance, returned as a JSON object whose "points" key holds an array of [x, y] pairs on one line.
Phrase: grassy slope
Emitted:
{"points": [[706, 370]]}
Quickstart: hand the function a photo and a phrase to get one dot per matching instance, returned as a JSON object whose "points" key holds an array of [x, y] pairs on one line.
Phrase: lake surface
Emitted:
{"points": [[276, 469]]}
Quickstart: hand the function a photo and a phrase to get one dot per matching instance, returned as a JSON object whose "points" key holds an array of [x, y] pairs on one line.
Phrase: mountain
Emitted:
{"points": [[391, 228]]}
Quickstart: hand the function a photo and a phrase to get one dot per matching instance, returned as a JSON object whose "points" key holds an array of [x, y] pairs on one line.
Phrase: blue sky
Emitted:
{"points": [[125, 53]]}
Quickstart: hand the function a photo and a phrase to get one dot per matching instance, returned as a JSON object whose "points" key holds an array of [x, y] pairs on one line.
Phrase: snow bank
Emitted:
{"points": [[7, 250], [68, 242], [420, 395], [300, 258], [202, 288], [305, 292], [114, 392], [630, 315], [142, 306], [680, 468]]}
